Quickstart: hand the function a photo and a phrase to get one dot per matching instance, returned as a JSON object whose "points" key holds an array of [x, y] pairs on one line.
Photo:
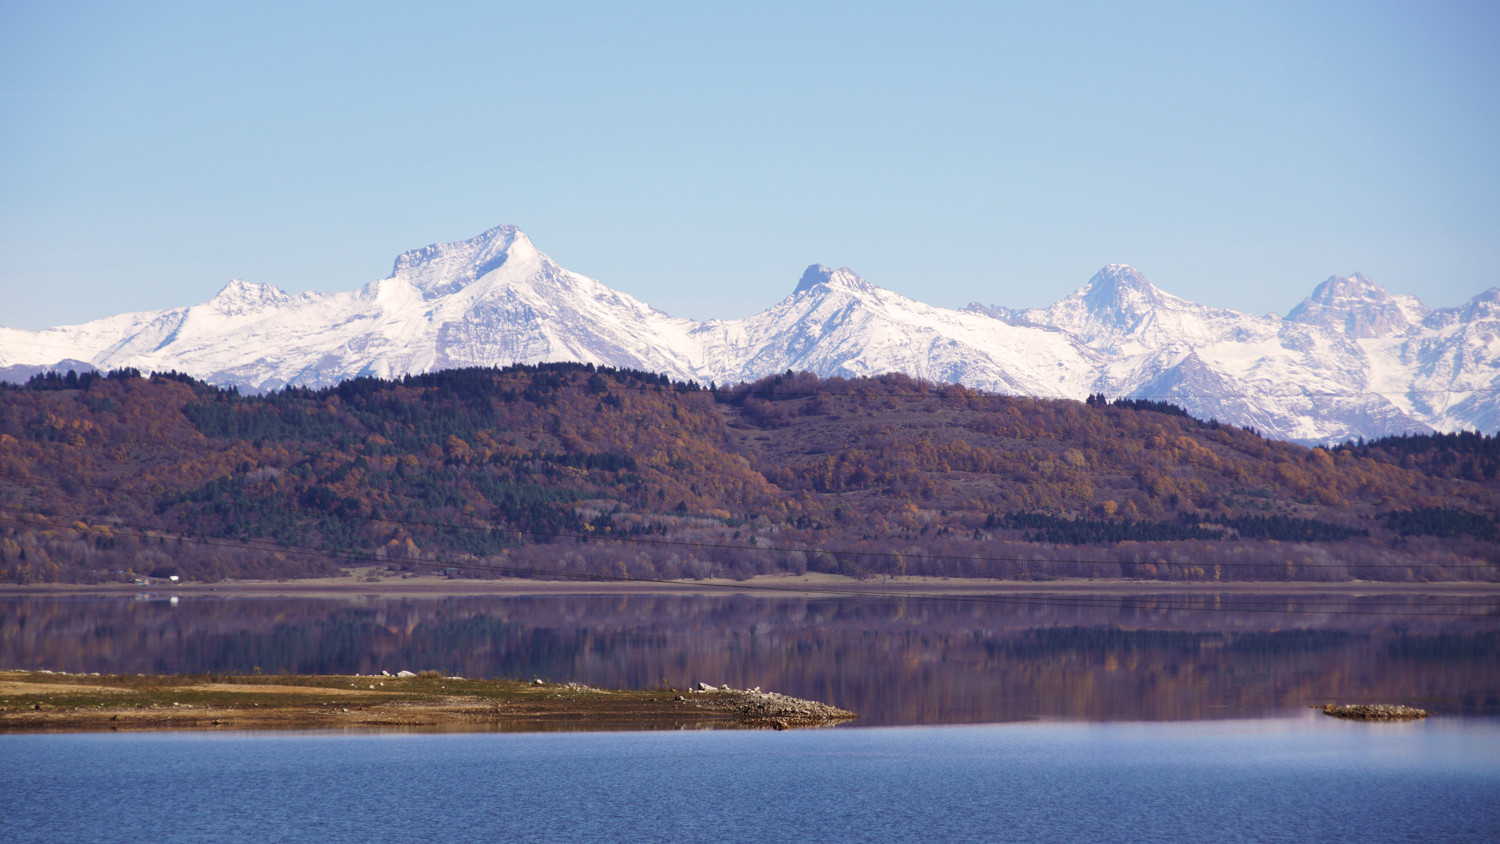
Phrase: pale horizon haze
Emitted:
{"points": [[699, 156]]}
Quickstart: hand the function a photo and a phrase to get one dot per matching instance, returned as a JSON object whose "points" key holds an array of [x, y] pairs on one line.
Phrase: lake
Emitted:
{"points": [[1307, 778], [896, 661], [1144, 718]]}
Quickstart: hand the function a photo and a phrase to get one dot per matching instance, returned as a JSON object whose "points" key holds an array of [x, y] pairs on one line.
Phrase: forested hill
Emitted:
{"points": [[569, 469]]}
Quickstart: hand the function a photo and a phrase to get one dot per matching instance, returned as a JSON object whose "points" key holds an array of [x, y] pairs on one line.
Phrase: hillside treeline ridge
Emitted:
{"points": [[578, 470]]}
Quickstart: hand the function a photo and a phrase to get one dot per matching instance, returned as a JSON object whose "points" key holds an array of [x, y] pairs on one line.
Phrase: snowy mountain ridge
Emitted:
{"points": [[1351, 360]]}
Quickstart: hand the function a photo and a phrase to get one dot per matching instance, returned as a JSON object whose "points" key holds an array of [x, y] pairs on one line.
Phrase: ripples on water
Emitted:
{"points": [[896, 661]]}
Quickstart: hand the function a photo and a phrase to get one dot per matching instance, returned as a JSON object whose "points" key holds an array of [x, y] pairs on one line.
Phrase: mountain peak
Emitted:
{"points": [[495, 299], [240, 296], [1120, 274], [1346, 288], [1358, 306], [1120, 290], [843, 277], [445, 267], [1485, 305], [1119, 277]]}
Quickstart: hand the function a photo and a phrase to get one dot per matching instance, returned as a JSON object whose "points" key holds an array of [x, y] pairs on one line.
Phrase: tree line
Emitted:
{"points": [[577, 469]]}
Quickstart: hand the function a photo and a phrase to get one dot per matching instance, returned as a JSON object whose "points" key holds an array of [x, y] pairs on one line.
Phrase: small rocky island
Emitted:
{"points": [[37, 701], [1373, 711]]}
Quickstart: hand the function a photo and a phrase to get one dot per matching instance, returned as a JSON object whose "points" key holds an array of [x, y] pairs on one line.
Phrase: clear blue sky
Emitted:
{"points": [[700, 155]]}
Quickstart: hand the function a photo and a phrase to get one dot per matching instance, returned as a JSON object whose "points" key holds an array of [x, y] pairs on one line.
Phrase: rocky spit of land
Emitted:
{"points": [[756, 708], [1373, 711], [43, 701]]}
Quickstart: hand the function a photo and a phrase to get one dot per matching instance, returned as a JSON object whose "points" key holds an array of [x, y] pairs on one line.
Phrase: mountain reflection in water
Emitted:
{"points": [[896, 661]]}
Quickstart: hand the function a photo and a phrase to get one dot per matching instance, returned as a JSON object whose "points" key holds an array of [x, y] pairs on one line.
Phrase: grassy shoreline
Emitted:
{"points": [[41, 701]]}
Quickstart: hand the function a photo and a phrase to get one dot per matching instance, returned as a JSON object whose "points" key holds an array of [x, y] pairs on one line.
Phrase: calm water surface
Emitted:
{"points": [[1129, 719], [895, 661], [1307, 778]]}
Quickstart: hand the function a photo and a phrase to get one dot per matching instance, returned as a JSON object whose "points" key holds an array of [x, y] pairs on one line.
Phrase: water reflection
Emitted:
{"points": [[896, 661]]}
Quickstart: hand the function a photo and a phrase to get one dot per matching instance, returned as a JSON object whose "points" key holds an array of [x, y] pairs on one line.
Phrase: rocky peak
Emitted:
{"points": [[844, 278], [1120, 289], [446, 267], [1357, 306], [1118, 300], [1484, 306], [240, 296]]}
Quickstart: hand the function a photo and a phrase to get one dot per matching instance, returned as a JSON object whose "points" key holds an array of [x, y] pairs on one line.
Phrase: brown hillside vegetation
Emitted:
{"points": [[568, 470]]}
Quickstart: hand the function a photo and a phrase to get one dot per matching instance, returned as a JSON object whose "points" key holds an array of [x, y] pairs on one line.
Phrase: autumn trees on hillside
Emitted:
{"points": [[571, 469]]}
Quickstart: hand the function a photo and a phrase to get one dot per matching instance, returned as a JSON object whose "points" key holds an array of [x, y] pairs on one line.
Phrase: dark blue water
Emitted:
{"points": [[1308, 778]]}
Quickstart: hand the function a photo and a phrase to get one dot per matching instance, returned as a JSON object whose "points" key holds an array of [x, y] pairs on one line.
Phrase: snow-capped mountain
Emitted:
{"points": [[1351, 360], [1359, 307], [1305, 379], [836, 323], [493, 299]]}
